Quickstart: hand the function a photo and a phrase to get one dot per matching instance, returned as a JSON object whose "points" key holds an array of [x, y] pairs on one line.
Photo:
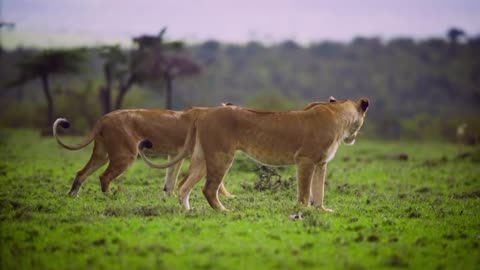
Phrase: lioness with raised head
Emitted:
{"points": [[117, 134], [307, 138]]}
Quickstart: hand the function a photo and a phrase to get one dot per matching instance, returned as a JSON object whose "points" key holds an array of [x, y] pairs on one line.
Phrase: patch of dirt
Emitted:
{"points": [[99, 242], [373, 238], [449, 236], [113, 212], [467, 195], [464, 155], [23, 214], [308, 245], [413, 213], [147, 211], [51, 248], [396, 156], [469, 156], [353, 220], [359, 238], [356, 228], [344, 188], [161, 248], [435, 162], [313, 224], [396, 261], [421, 242], [393, 239], [423, 190]]}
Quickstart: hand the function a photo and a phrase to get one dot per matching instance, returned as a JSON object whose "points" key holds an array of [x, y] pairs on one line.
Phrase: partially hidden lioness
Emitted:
{"points": [[116, 135], [307, 138]]}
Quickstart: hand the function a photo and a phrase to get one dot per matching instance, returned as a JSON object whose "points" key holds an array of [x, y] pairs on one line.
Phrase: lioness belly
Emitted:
{"points": [[269, 157], [270, 147]]}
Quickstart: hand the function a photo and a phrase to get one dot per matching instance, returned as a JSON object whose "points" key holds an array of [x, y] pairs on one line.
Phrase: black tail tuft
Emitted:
{"points": [[64, 123], [145, 144]]}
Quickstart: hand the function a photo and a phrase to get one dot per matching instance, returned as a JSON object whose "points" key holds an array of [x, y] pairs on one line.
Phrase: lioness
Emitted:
{"points": [[307, 138], [116, 135]]}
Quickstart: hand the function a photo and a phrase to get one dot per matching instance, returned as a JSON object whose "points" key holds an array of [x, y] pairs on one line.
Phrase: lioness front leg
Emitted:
{"points": [[304, 180], [318, 187]]}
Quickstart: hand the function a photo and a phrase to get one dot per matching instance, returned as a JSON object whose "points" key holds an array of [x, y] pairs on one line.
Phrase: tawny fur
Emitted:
{"points": [[309, 139], [116, 136]]}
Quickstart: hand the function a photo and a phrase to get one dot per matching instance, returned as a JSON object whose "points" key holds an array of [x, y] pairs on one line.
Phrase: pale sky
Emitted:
{"points": [[268, 21]]}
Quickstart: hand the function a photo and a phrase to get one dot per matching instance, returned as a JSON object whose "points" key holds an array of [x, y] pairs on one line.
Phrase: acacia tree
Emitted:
{"points": [[454, 34], [156, 60], [45, 64], [114, 59], [177, 67]]}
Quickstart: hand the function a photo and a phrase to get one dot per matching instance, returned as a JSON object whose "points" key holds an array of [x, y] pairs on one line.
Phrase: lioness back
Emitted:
{"points": [[166, 129]]}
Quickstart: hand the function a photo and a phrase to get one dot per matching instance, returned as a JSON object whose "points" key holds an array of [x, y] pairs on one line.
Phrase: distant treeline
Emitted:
{"points": [[418, 88]]}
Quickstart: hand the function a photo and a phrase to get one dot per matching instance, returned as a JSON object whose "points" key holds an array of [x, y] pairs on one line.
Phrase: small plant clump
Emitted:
{"points": [[270, 179]]}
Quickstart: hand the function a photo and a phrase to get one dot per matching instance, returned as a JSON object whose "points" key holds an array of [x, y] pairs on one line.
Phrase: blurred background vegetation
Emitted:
{"points": [[426, 89]]}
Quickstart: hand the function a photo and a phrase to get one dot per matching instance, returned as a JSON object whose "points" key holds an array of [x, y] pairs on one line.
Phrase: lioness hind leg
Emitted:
{"points": [[217, 167], [222, 189], [225, 192], [97, 159], [115, 168], [171, 176], [121, 153]]}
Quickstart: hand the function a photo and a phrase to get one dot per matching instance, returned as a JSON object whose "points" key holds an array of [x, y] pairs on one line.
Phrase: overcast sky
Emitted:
{"points": [[239, 21]]}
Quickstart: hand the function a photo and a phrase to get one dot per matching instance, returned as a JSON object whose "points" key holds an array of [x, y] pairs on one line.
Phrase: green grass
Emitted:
{"points": [[389, 213]]}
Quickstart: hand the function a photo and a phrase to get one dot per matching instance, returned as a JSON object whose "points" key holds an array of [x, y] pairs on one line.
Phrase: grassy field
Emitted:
{"points": [[423, 212]]}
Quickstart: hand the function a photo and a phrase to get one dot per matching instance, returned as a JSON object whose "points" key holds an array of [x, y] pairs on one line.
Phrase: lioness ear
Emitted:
{"points": [[332, 99], [364, 104]]}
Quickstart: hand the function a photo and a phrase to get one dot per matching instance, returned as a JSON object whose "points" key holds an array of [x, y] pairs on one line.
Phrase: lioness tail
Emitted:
{"points": [[189, 141], [65, 124]]}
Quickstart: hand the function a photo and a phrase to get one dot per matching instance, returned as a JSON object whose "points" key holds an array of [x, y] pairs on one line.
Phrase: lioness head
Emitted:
{"points": [[361, 107]]}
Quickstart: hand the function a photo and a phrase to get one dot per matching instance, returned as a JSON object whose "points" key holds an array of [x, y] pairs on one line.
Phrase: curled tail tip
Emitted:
{"points": [[63, 122], [146, 143]]}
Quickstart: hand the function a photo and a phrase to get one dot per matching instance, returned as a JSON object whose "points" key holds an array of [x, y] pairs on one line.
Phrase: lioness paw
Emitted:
{"points": [[230, 196], [326, 210]]}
